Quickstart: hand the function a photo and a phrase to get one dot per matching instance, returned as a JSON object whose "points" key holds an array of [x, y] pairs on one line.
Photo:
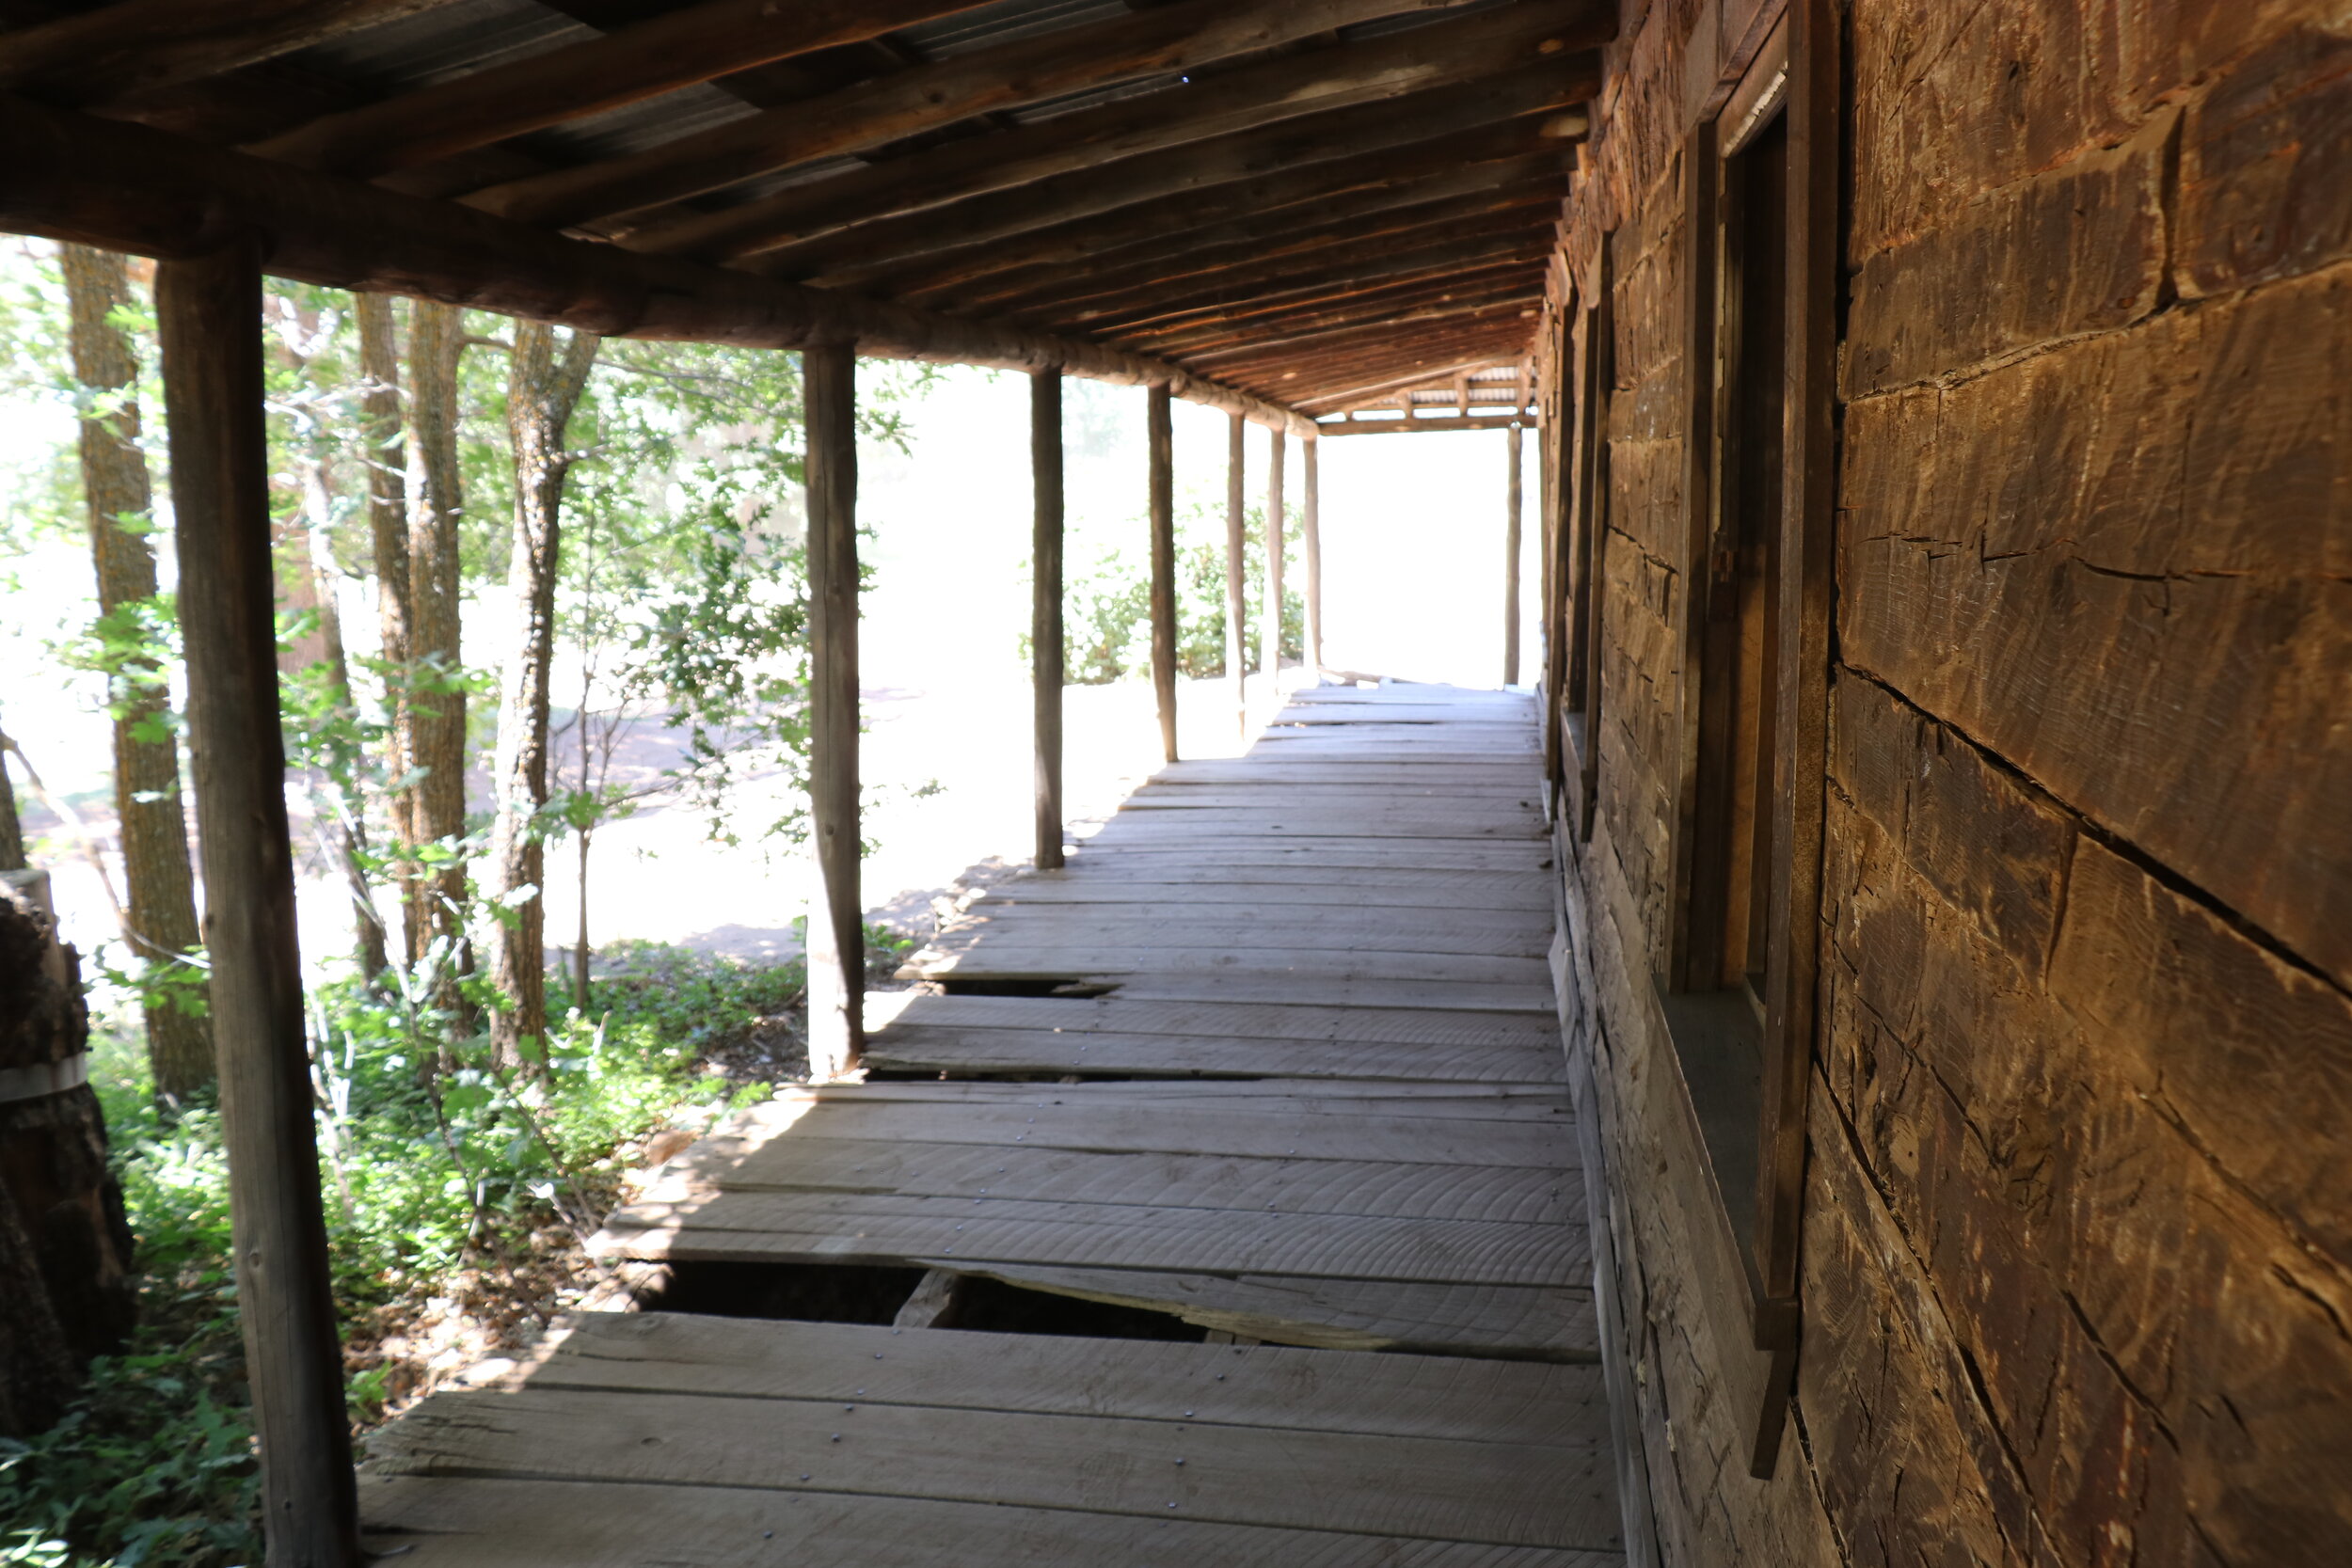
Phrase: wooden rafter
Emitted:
{"points": [[1263, 199], [1280, 312], [1242, 100], [137, 46], [1173, 38], [1510, 235], [1133, 181], [655, 57], [130, 188], [1402, 227]]}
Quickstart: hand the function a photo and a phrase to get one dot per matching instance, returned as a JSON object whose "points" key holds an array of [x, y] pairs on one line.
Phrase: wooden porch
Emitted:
{"points": [[1301, 1087]]}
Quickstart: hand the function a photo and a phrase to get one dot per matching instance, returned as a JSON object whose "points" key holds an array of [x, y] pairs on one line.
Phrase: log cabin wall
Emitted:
{"points": [[2077, 1235]]}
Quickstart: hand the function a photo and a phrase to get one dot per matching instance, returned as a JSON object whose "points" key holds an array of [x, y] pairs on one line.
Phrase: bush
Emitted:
{"points": [[429, 1166], [1107, 602]]}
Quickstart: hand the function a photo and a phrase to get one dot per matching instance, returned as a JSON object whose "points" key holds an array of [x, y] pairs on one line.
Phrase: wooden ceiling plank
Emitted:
{"points": [[1174, 217], [1319, 378], [1165, 40], [625, 66], [1509, 236], [1248, 98], [1397, 211], [128, 187], [1338, 293], [136, 46], [1425, 304], [1091, 189], [1400, 227], [1252, 356]]}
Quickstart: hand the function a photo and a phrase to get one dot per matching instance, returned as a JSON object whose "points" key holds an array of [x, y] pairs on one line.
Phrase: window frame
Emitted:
{"points": [[1745, 1052]]}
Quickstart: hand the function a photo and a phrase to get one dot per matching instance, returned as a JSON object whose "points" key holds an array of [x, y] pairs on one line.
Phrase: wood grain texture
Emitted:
{"points": [[1265, 1386], [507, 1524]]}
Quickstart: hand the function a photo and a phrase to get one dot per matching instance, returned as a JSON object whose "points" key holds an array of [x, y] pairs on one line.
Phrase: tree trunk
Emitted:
{"points": [[160, 918], [64, 1246], [337, 802], [382, 429], [1236, 578], [436, 719], [543, 387]]}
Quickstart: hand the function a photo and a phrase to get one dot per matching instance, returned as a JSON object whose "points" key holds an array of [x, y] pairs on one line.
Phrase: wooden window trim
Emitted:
{"points": [[1597, 387], [1753, 1133]]}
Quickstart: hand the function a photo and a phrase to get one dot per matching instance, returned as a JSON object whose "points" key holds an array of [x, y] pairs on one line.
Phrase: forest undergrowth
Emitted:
{"points": [[458, 1194]]}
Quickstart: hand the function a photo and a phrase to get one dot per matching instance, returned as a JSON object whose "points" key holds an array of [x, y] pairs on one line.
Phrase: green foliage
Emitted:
{"points": [[426, 1174], [1108, 601]]}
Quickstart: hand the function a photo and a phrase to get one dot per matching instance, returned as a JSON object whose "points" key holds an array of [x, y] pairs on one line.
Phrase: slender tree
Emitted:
{"points": [[383, 440], [433, 744], [544, 385], [159, 921]]}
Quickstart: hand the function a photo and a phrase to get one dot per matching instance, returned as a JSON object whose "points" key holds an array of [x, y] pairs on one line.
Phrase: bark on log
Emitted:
{"points": [[1163, 41], [150, 817], [626, 66], [209, 312], [125, 187], [543, 387], [1161, 443], [64, 1246], [836, 931], [136, 46], [1046, 647]]}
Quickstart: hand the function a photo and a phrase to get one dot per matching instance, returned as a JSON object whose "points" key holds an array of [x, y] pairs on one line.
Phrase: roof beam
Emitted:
{"points": [[1266, 196], [1246, 358], [1419, 301], [1171, 39], [1357, 384], [1416, 427], [131, 188], [135, 46], [1508, 236], [1250, 97], [1090, 191], [1194, 269], [1384, 394], [625, 66], [1304, 225]]}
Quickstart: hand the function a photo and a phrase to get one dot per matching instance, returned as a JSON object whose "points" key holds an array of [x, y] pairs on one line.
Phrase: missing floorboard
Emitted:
{"points": [[867, 1293]]}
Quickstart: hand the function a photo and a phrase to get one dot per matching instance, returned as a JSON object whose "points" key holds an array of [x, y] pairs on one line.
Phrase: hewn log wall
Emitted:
{"points": [[2077, 1249]]}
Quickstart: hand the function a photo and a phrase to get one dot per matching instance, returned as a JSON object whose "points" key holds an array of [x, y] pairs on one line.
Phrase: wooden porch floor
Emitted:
{"points": [[1318, 1103]]}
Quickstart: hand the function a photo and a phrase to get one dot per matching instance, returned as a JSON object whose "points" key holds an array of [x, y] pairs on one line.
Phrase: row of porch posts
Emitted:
{"points": [[209, 312]]}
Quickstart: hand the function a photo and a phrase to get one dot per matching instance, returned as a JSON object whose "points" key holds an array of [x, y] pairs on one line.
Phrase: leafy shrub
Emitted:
{"points": [[424, 1171]]}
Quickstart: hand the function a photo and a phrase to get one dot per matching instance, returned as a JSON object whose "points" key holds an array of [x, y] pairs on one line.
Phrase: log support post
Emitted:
{"points": [[1045, 609], [209, 312], [1311, 544], [1511, 550], [836, 931], [1270, 629], [1163, 460], [1236, 577]]}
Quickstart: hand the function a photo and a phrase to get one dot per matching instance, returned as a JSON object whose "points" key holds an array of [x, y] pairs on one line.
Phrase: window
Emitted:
{"points": [[1732, 973]]}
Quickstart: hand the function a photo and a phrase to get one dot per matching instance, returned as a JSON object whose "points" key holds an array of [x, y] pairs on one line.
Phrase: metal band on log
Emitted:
{"points": [[130, 188]]}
